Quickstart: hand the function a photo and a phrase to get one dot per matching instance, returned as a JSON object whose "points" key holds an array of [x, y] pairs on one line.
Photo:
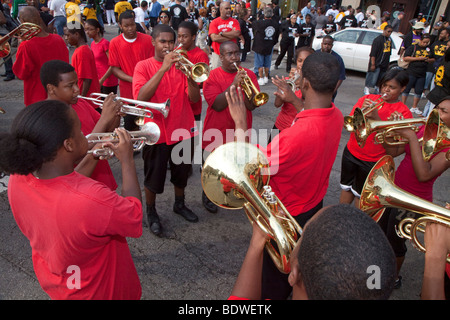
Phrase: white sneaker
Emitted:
{"points": [[266, 80], [366, 91], [415, 110], [261, 81]]}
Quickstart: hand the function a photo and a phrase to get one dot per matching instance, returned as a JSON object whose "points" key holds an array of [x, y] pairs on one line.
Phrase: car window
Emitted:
{"points": [[369, 37], [350, 36]]}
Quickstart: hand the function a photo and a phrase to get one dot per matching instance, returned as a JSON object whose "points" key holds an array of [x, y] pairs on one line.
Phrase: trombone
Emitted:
{"points": [[198, 72], [379, 192], [249, 88], [140, 109], [348, 120], [435, 137], [365, 127], [25, 31], [148, 135]]}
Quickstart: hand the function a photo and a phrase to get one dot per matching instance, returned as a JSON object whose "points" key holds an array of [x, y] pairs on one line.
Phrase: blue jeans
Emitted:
{"points": [[262, 61], [418, 83], [60, 23], [372, 77]]}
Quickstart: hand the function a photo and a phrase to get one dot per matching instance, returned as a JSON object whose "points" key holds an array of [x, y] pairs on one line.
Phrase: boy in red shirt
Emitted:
{"points": [[61, 82], [218, 122], [301, 156], [125, 51], [157, 79], [221, 29], [33, 53]]}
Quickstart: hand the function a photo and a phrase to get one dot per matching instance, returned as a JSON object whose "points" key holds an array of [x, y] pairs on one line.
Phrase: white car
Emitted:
{"points": [[354, 44]]}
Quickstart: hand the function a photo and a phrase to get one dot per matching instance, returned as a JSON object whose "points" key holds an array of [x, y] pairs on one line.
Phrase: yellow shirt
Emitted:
{"points": [[121, 7], [90, 13], [73, 15]]}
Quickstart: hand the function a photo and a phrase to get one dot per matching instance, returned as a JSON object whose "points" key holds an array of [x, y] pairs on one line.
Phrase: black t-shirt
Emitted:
{"points": [[417, 68], [266, 33], [442, 81], [179, 14], [305, 29], [348, 21], [329, 27], [288, 31], [381, 50]]}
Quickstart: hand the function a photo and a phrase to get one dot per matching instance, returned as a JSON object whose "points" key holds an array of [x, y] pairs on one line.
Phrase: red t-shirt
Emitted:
{"points": [[30, 57], [180, 123], [373, 152], [76, 223], [216, 123], [126, 55], [219, 25], [89, 118], [84, 63], [287, 114], [301, 158], [197, 55], [100, 51]]}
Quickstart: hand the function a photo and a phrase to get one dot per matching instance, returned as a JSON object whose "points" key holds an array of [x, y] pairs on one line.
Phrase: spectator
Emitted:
{"points": [[178, 13], [330, 26], [397, 21], [349, 21], [306, 33], [154, 11], [289, 31]]}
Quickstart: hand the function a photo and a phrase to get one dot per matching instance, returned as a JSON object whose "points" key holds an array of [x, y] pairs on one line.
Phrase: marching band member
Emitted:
{"points": [[356, 161], [157, 79], [414, 175], [77, 227], [61, 83], [218, 119], [301, 156]]}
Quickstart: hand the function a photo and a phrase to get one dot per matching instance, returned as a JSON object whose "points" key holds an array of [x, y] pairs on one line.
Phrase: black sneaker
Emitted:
{"points": [[210, 206], [180, 208], [398, 282], [154, 225]]}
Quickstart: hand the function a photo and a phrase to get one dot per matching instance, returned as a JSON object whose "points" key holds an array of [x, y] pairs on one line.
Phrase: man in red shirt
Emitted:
{"points": [[33, 53], [301, 156], [157, 79], [221, 29], [125, 51], [61, 83], [218, 122]]}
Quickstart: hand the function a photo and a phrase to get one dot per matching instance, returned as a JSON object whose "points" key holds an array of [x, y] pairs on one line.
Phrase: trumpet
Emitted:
{"points": [[25, 31], [291, 82], [236, 175], [198, 72], [140, 109], [148, 135], [365, 127], [250, 89], [379, 192], [435, 137], [348, 120]]}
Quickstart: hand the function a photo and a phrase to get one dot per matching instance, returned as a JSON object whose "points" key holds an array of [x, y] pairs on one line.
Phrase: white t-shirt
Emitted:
{"points": [[139, 15], [58, 7]]}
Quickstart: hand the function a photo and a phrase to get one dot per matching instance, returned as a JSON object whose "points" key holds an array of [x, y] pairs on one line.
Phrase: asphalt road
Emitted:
{"points": [[193, 261]]}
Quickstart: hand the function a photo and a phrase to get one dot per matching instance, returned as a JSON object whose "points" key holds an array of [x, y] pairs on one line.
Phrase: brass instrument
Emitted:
{"points": [[348, 120], [435, 137], [291, 82], [149, 134], [140, 109], [379, 191], [235, 176], [250, 89], [198, 72], [25, 31], [365, 127]]}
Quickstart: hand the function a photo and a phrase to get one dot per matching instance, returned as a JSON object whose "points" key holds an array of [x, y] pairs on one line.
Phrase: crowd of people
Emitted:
{"points": [[144, 62]]}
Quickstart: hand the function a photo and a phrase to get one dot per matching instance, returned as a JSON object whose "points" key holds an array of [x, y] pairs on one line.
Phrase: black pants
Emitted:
{"points": [[275, 285], [289, 48]]}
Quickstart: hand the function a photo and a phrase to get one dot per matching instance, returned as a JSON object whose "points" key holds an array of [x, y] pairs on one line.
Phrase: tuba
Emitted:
{"points": [[25, 31], [435, 137], [148, 135], [379, 191], [250, 89], [348, 120], [365, 127], [198, 72], [236, 175]]}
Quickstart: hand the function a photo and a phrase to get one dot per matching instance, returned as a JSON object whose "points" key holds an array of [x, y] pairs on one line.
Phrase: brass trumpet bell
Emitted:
{"points": [[24, 31], [379, 192], [198, 72], [235, 176], [250, 90], [435, 137], [348, 120]]}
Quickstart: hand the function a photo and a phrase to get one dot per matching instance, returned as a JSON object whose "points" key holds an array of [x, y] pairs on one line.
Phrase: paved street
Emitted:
{"points": [[198, 261]]}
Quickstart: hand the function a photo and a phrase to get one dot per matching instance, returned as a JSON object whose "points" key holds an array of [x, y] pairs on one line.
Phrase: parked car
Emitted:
{"points": [[354, 44]]}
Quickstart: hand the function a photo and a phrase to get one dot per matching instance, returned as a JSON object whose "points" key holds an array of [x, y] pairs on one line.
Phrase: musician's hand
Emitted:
{"points": [[124, 149], [236, 106], [111, 107], [239, 78], [169, 60], [373, 115], [284, 90], [437, 240]]}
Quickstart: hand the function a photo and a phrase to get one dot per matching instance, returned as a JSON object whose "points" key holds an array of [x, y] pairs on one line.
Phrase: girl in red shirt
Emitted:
{"points": [[77, 227], [358, 161], [100, 49], [83, 61]]}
